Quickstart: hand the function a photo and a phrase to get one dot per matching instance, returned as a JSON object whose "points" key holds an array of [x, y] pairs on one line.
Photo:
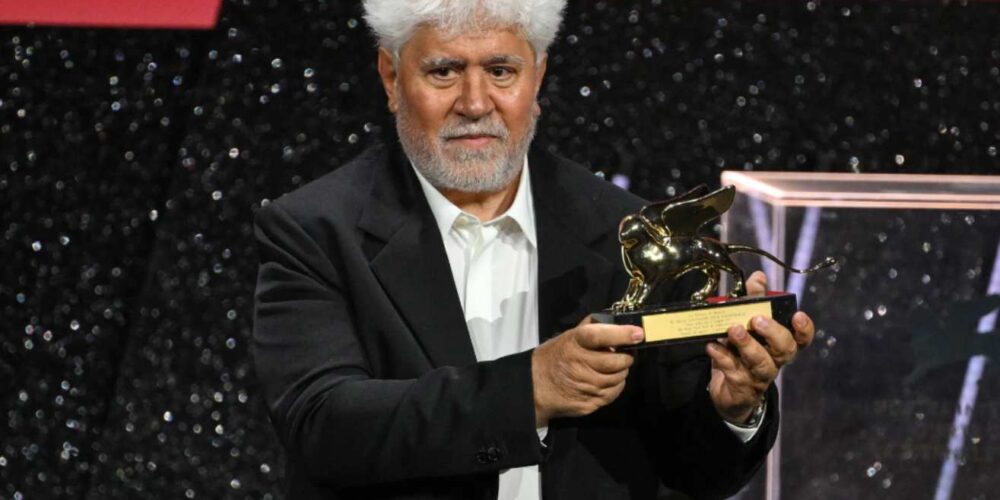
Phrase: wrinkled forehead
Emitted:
{"points": [[498, 39]]}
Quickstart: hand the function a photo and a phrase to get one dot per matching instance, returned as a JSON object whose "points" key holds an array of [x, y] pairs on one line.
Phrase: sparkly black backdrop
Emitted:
{"points": [[131, 162]]}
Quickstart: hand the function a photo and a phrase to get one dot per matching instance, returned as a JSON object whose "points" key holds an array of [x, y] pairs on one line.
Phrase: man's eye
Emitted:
{"points": [[500, 72], [442, 73]]}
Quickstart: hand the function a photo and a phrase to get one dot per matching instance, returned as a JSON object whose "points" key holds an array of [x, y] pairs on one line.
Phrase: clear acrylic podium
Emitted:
{"points": [[899, 395]]}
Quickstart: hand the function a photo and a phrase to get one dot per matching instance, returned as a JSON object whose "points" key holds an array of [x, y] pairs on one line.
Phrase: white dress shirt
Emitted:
{"points": [[495, 267]]}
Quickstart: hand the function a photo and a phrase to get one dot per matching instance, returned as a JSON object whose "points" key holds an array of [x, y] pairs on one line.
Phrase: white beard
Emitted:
{"points": [[448, 166]]}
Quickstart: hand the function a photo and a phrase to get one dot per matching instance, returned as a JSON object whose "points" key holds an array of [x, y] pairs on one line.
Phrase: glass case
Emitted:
{"points": [[899, 395]]}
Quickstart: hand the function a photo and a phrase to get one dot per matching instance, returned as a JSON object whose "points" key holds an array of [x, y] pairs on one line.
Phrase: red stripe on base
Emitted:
{"points": [[720, 299]]}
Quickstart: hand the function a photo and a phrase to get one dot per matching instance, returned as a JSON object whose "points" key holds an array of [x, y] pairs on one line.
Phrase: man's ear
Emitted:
{"points": [[387, 72], [539, 77]]}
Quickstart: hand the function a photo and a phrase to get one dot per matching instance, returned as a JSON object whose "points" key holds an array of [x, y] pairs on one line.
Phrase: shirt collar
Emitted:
{"points": [[521, 211]]}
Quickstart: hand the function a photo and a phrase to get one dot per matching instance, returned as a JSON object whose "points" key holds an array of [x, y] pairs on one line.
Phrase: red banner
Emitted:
{"points": [[189, 14]]}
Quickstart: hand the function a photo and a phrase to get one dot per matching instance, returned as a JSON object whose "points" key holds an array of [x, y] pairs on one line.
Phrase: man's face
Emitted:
{"points": [[465, 106]]}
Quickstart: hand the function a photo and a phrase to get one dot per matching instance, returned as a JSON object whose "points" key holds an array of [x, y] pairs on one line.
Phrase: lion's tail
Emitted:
{"points": [[827, 262]]}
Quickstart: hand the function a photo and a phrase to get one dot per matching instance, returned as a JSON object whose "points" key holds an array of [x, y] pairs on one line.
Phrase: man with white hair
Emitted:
{"points": [[421, 323]]}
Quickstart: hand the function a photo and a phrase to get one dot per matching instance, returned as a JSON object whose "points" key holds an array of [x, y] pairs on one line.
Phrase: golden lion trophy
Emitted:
{"points": [[660, 244]]}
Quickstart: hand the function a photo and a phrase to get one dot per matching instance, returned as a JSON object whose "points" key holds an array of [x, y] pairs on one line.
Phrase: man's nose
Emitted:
{"points": [[475, 101]]}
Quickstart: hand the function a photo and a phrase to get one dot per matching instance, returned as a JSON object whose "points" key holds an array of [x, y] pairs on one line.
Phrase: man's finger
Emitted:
{"points": [[599, 337], [728, 368], [722, 358], [608, 362], [611, 393], [805, 330], [757, 284], [780, 343], [753, 355], [592, 382], [613, 379]]}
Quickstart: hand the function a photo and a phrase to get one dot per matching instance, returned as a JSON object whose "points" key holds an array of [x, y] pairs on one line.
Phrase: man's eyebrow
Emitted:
{"points": [[503, 59], [442, 62]]}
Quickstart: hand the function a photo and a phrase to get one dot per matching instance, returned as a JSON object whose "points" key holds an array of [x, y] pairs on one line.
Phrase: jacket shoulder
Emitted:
{"points": [[338, 194], [610, 201]]}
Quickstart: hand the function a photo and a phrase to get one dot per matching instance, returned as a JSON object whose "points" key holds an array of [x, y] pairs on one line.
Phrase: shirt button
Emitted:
{"points": [[489, 455]]}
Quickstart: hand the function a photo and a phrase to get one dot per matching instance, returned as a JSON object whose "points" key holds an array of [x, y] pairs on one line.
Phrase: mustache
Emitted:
{"points": [[490, 128]]}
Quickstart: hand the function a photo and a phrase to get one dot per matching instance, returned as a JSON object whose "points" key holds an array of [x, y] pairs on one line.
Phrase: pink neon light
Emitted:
{"points": [[190, 14], [920, 191]]}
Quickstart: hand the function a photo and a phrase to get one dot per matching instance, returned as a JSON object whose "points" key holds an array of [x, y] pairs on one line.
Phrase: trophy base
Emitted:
{"points": [[690, 322]]}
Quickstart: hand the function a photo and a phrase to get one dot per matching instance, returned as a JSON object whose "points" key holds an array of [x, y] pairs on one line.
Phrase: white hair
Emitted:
{"points": [[394, 21]]}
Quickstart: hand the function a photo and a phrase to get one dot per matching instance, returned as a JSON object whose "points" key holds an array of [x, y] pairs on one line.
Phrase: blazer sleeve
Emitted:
{"points": [[695, 452], [343, 426]]}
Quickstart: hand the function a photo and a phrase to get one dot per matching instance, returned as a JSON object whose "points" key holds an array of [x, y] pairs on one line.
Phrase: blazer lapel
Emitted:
{"points": [[409, 260], [408, 257], [573, 276]]}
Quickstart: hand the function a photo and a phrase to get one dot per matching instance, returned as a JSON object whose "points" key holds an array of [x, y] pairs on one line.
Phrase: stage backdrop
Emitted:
{"points": [[131, 162]]}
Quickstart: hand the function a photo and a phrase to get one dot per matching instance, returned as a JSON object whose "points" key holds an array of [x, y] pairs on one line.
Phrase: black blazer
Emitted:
{"points": [[365, 363]]}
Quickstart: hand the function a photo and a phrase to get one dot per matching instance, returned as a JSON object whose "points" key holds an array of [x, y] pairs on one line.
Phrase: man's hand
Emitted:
{"points": [[742, 368], [577, 372]]}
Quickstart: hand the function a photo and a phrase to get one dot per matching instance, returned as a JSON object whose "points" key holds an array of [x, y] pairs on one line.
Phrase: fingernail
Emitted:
{"points": [[799, 321], [740, 333], [638, 335], [760, 322]]}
